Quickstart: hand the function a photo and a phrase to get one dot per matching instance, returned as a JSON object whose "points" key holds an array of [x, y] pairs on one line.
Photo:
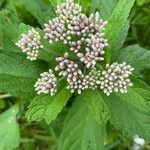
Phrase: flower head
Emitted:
{"points": [[66, 11], [94, 50], [116, 78], [55, 30], [30, 44], [84, 35], [47, 83]]}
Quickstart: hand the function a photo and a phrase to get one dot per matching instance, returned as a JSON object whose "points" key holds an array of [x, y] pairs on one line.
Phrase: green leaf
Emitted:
{"points": [[141, 87], [137, 56], [142, 2], [85, 5], [44, 16], [17, 65], [56, 2], [8, 22], [96, 105], [130, 113], [17, 86], [48, 107], [9, 129], [117, 43], [117, 22], [41, 10], [1, 3], [81, 131], [18, 75], [135, 98], [105, 7]]}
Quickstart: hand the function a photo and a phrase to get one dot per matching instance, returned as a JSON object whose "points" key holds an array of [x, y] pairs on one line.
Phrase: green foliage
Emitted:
{"points": [[84, 126], [105, 7], [140, 20], [86, 4], [137, 56], [56, 2], [80, 130], [17, 86], [96, 105], [8, 22], [118, 42], [48, 107], [41, 10], [50, 51], [117, 21], [18, 75], [130, 112], [17, 65], [9, 129], [142, 88]]}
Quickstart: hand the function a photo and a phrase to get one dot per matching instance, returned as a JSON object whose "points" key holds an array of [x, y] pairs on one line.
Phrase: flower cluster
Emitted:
{"points": [[116, 78], [85, 37], [76, 79], [66, 11], [30, 44], [47, 83], [92, 79], [70, 70], [97, 43], [54, 30], [89, 43]]}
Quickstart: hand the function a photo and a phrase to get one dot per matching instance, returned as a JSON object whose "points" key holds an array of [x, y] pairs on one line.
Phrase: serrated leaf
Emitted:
{"points": [[130, 113], [85, 5], [18, 75], [134, 98], [48, 107], [81, 131], [17, 86], [41, 10], [117, 22], [8, 22], [105, 7], [56, 2], [9, 129], [17, 65], [44, 17], [96, 105], [137, 56], [141, 87], [117, 43]]}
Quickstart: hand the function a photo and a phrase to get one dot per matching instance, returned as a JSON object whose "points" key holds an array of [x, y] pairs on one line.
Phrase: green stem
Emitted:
{"points": [[108, 56], [5, 96]]}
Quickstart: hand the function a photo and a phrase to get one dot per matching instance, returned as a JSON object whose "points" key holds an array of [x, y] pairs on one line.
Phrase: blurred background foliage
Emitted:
{"points": [[39, 136]]}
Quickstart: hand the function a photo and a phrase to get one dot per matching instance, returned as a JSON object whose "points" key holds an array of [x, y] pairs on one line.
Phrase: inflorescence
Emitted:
{"points": [[116, 78], [30, 44], [47, 83], [85, 37]]}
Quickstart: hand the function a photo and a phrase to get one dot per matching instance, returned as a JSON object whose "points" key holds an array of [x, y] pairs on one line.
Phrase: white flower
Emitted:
{"points": [[47, 83], [54, 30], [66, 11], [94, 50], [138, 143], [75, 78], [30, 44], [116, 78]]}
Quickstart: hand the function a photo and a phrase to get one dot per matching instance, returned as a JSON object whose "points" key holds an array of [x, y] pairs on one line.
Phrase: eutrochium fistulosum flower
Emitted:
{"points": [[85, 37]]}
